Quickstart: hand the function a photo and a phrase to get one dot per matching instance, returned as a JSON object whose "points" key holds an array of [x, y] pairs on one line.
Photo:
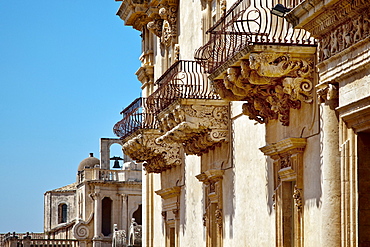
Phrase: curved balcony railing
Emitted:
{"points": [[183, 80], [134, 117], [248, 22]]}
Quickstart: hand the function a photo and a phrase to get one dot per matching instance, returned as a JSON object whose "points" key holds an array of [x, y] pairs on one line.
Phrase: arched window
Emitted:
{"points": [[137, 215], [106, 216], [62, 213]]}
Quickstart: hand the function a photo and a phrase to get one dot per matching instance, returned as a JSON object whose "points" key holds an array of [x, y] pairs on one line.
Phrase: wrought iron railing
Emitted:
{"points": [[248, 22], [134, 117], [183, 80]]}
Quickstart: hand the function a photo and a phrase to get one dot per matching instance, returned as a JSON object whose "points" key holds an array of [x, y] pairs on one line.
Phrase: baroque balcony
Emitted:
{"points": [[139, 129], [259, 58], [151, 133], [246, 24], [188, 111]]}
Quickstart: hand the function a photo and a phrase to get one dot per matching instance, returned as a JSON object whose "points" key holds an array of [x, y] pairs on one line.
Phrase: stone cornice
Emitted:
{"points": [[357, 114], [169, 192], [339, 25], [287, 155], [159, 16], [319, 17], [284, 146], [197, 124], [210, 176]]}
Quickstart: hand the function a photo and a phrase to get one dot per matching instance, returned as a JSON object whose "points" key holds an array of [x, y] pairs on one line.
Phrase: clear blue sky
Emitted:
{"points": [[67, 68]]}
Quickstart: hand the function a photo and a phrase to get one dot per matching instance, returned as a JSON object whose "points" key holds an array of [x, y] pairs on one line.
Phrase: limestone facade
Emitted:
{"points": [[253, 130]]}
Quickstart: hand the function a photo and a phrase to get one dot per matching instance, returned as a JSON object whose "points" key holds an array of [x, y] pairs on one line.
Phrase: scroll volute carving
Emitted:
{"points": [[271, 83], [164, 23]]}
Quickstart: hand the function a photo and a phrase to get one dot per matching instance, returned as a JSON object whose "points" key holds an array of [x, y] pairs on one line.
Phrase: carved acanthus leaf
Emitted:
{"points": [[271, 83]]}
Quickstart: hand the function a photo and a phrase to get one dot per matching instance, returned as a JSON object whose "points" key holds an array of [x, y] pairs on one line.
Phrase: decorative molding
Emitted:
{"points": [[133, 13], [327, 19], [288, 165], [356, 115], [288, 145], [345, 35], [177, 52], [164, 24], [271, 83], [157, 157], [169, 192], [297, 196], [197, 126], [171, 199], [81, 229], [219, 217]]}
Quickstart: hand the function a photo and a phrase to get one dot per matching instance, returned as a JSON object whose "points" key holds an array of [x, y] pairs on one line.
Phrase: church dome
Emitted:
{"points": [[89, 162]]}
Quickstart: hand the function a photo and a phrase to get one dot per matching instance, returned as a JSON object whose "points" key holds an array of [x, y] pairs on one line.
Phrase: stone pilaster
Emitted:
{"points": [[97, 216], [331, 185]]}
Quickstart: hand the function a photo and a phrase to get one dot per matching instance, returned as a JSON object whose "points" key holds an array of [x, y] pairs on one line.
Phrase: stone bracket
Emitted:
{"points": [[157, 157], [198, 126], [271, 82]]}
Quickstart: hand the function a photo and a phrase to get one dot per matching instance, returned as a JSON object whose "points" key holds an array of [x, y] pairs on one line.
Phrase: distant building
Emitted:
{"points": [[82, 214]]}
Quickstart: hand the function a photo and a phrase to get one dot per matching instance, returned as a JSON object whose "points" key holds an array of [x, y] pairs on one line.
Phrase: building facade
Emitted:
{"points": [[253, 129]]}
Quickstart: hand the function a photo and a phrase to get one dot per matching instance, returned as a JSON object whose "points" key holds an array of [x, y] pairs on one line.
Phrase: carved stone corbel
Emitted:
{"points": [[271, 83], [326, 92], [197, 126], [158, 157]]}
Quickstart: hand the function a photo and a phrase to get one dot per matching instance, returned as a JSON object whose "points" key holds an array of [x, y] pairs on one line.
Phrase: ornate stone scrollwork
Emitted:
{"points": [[297, 196], [164, 24], [155, 26], [271, 83], [81, 230], [218, 215], [157, 156], [198, 127]]}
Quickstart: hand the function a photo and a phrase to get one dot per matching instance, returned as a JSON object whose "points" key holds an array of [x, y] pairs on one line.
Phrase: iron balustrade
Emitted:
{"points": [[246, 23], [134, 117], [183, 80]]}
